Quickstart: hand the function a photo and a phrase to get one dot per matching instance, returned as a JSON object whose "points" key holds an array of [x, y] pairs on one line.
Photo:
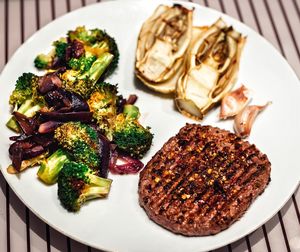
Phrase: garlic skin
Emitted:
{"points": [[244, 120], [234, 102]]}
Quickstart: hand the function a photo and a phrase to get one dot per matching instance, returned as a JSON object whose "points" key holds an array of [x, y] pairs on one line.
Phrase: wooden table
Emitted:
{"points": [[277, 20]]}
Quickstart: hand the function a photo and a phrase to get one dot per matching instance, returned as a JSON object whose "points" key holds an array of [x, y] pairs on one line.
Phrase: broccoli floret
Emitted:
{"points": [[96, 43], [88, 37], [78, 184], [81, 141], [82, 83], [24, 88], [43, 61], [57, 54], [130, 136], [25, 98], [51, 166], [113, 49], [107, 44], [60, 48], [131, 111], [102, 103], [82, 64]]}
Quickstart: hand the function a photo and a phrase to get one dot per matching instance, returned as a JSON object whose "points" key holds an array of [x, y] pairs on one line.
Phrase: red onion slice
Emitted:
{"points": [[128, 165]]}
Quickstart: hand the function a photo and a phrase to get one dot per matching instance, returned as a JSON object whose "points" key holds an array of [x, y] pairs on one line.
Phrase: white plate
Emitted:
{"points": [[118, 223]]}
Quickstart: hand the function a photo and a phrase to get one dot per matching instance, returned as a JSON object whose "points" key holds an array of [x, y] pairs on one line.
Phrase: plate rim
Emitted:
{"points": [[184, 3]]}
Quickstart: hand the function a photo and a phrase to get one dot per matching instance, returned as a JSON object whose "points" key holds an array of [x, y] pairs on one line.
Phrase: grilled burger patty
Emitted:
{"points": [[202, 180]]}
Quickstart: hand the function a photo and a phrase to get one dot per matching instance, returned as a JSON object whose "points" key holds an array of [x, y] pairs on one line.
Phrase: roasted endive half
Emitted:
{"points": [[162, 43], [211, 68]]}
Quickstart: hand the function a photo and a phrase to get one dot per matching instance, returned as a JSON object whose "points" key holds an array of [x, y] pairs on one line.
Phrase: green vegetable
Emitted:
{"points": [[25, 98], [131, 111], [81, 141], [25, 86], [58, 53], [130, 136], [97, 42], [102, 103], [82, 64], [60, 48], [83, 83], [51, 166], [43, 61], [78, 184]]}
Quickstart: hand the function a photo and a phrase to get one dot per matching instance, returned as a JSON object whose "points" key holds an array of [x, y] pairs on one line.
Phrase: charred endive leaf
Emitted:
{"points": [[162, 43], [211, 68]]}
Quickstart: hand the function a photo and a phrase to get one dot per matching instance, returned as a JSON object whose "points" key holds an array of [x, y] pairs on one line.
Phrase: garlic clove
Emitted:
{"points": [[234, 102], [244, 120]]}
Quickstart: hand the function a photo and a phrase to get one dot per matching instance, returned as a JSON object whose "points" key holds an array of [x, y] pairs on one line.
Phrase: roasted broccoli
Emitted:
{"points": [[60, 48], [96, 42], [82, 64], [79, 50], [81, 141], [102, 103], [77, 184], [43, 61], [51, 166], [57, 54], [82, 83], [25, 98], [131, 111], [129, 135], [88, 37]]}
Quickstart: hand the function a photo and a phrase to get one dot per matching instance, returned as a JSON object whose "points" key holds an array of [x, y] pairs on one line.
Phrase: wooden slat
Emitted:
{"points": [[60, 7], [75, 4], [2, 31], [296, 7], [88, 2], [58, 241], [296, 201], [16, 240], [275, 235], [2, 214], [289, 217], [289, 49], [239, 246], [223, 249], [45, 14], [14, 25], [17, 224], [37, 234], [231, 9], [78, 247], [29, 18], [257, 241], [294, 18]]}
